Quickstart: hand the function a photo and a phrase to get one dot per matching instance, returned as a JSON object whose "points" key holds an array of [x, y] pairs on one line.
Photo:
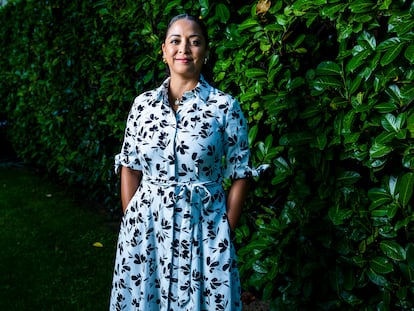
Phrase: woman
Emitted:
{"points": [[174, 249]]}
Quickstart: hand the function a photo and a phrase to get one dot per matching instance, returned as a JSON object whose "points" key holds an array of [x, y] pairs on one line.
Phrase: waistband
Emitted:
{"points": [[168, 183]]}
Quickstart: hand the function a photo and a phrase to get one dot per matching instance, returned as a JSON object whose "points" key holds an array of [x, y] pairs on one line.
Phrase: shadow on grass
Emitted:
{"points": [[48, 260]]}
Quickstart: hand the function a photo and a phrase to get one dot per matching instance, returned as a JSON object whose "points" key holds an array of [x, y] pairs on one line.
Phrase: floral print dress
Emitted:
{"points": [[174, 249]]}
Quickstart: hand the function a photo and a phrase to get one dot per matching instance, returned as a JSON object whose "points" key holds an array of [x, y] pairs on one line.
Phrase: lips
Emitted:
{"points": [[183, 60]]}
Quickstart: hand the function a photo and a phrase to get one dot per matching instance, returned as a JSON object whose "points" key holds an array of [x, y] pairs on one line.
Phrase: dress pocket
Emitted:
{"points": [[131, 202]]}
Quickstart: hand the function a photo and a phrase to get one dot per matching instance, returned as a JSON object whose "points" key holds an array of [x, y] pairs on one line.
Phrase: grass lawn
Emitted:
{"points": [[48, 260]]}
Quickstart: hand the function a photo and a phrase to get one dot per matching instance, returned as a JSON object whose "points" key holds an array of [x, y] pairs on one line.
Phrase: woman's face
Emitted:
{"points": [[185, 49]]}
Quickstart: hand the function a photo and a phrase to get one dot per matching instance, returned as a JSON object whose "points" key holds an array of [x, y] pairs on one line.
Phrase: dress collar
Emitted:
{"points": [[201, 90]]}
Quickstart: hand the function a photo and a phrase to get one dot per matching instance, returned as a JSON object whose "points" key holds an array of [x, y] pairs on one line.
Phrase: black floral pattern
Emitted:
{"points": [[174, 249]]}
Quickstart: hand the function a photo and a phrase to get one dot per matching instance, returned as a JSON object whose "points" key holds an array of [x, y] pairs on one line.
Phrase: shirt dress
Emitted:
{"points": [[174, 250]]}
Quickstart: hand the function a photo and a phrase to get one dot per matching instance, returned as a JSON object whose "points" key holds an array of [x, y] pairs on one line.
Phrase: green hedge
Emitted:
{"points": [[327, 87]]}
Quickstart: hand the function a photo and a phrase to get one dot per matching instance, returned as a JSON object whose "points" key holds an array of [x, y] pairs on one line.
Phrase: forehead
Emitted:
{"points": [[184, 27]]}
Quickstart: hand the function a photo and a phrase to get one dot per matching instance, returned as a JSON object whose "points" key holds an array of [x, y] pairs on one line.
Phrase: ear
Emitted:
{"points": [[163, 49]]}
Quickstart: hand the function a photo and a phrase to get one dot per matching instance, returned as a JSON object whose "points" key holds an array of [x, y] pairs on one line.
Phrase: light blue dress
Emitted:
{"points": [[174, 250]]}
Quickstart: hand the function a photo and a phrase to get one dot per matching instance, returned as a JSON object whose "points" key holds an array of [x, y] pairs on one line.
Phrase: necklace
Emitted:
{"points": [[174, 104]]}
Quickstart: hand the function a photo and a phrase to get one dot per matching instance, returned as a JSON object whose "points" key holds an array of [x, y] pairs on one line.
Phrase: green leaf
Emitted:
{"points": [[407, 272], [378, 196], [386, 107], [392, 210], [320, 141], [391, 123], [203, 3], [223, 12], [282, 165], [370, 39], [259, 267], [279, 178], [338, 103], [255, 72], [392, 185], [388, 44], [349, 178], [310, 112], [273, 27], [331, 10], [357, 60], [382, 211], [393, 250], [282, 19], [379, 150], [348, 122], [172, 4], [389, 211], [295, 83], [377, 279], [361, 6], [407, 93], [274, 60], [253, 133], [394, 92], [405, 188], [409, 53], [377, 163], [328, 68], [246, 97], [401, 26], [248, 23], [381, 265], [392, 54], [408, 160], [338, 216], [351, 299], [355, 85], [325, 82], [385, 4], [384, 138]]}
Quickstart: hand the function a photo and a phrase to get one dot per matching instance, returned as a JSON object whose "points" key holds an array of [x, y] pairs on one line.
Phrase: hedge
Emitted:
{"points": [[327, 87]]}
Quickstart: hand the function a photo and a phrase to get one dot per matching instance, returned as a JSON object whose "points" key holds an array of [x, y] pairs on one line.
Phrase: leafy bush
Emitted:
{"points": [[327, 87], [333, 84]]}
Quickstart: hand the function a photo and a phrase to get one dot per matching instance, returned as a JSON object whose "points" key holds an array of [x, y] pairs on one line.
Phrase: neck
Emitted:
{"points": [[179, 86]]}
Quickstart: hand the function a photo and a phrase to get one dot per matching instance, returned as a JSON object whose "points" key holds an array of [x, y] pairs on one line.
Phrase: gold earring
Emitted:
{"points": [[164, 60]]}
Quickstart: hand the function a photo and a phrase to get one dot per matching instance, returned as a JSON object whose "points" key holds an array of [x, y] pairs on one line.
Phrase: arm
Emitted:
{"points": [[130, 180], [235, 200]]}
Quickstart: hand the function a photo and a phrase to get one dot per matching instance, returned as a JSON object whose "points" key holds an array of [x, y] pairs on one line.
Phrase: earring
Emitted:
{"points": [[164, 60], [205, 60]]}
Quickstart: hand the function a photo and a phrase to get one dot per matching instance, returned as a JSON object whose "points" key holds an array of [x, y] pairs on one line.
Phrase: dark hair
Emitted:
{"points": [[206, 71]]}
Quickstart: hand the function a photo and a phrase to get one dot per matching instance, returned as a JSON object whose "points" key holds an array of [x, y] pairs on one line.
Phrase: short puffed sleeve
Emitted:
{"points": [[236, 145], [128, 156]]}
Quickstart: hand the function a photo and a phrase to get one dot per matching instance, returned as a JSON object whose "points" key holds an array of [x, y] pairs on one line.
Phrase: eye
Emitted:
{"points": [[196, 42], [174, 41]]}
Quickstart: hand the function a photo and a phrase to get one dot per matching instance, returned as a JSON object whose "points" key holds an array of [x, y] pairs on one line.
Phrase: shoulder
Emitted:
{"points": [[144, 97], [147, 99], [222, 100]]}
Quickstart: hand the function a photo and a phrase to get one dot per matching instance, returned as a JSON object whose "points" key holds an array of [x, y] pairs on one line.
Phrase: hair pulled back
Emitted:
{"points": [[206, 70]]}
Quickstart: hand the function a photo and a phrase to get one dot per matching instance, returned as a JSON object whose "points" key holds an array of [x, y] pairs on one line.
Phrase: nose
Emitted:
{"points": [[184, 46]]}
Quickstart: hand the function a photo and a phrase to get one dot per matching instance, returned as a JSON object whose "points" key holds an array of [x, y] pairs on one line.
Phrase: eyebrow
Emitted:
{"points": [[191, 36]]}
